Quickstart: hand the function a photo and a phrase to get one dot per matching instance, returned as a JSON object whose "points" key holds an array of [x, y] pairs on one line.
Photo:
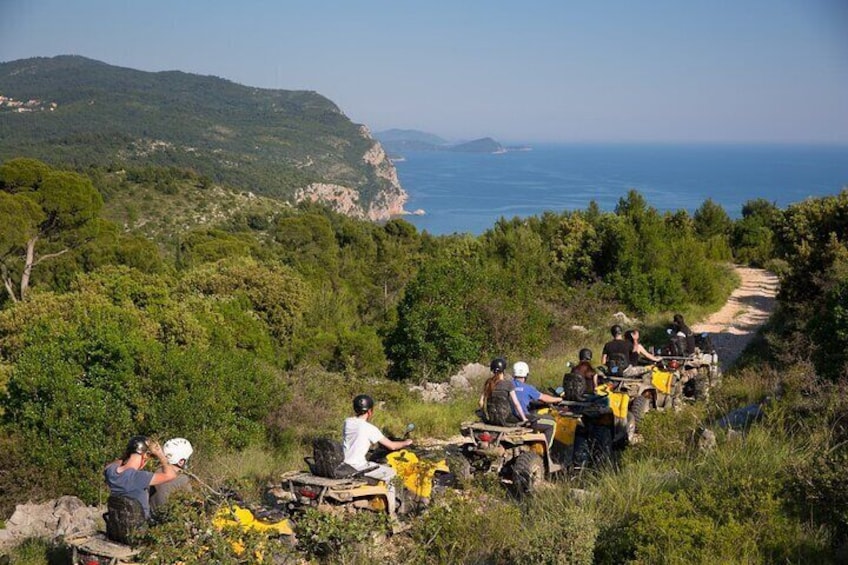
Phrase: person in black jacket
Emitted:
{"points": [[679, 326]]}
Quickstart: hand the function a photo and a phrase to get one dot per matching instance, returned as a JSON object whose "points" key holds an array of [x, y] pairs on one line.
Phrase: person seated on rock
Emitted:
{"points": [[637, 353], [358, 435], [126, 476], [527, 394], [177, 451], [585, 369], [499, 404], [616, 353]]}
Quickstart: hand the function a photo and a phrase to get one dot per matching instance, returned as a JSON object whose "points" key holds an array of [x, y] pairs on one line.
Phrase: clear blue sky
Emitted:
{"points": [[646, 70]]}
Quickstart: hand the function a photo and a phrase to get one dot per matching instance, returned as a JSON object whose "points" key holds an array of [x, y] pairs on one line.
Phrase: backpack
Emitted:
{"points": [[124, 519], [498, 409], [328, 460], [704, 342], [617, 362]]}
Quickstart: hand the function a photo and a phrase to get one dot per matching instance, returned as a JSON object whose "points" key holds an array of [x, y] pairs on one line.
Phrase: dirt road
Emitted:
{"points": [[748, 308]]}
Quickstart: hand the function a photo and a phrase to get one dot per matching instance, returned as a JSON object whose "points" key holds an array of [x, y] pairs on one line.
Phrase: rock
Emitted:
{"points": [[460, 382], [65, 516], [707, 440], [475, 373], [581, 329], [623, 319]]}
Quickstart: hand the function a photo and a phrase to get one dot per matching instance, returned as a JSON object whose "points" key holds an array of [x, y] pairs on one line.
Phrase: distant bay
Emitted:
{"points": [[463, 192]]}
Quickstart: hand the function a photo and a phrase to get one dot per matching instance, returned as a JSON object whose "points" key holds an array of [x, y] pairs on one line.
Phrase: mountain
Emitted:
{"points": [[291, 145], [403, 140], [483, 145]]}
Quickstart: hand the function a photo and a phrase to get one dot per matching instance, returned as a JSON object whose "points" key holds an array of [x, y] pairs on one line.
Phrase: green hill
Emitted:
{"points": [[73, 110]]}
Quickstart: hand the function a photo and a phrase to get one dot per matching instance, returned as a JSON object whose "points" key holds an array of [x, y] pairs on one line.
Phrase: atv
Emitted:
{"points": [[332, 485], [517, 454], [520, 456], [658, 388], [700, 369]]}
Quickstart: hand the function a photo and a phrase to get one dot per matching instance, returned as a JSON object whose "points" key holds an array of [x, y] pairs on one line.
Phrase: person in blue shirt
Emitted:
{"points": [[526, 394], [127, 477]]}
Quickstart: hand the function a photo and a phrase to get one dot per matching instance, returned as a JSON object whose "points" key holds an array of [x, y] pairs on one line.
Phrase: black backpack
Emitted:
{"points": [[124, 518], [498, 409], [328, 460], [704, 342], [616, 363]]}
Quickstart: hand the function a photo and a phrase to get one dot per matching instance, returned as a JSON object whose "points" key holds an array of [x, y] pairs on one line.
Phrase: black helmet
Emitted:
{"points": [[616, 330], [136, 445], [498, 365], [585, 354], [362, 404]]}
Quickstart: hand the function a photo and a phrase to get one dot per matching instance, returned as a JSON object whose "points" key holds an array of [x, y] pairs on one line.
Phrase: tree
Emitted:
{"points": [[44, 213], [711, 220]]}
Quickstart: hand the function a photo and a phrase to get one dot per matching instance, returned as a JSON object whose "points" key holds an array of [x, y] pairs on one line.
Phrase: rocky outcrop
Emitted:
{"points": [[67, 516], [339, 198], [388, 202]]}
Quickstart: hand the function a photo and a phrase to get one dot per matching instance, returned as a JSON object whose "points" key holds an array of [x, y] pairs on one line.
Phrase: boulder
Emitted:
{"points": [[65, 516]]}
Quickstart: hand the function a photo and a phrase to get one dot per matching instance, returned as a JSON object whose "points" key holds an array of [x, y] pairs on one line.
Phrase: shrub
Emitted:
{"points": [[466, 530]]}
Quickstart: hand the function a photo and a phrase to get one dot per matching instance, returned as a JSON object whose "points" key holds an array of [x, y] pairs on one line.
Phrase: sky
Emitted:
{"points": [[727, 71]]}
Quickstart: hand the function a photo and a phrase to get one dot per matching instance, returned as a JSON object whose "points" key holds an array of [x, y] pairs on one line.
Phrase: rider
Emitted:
{"points": [[584, 369], [680, 327], [499, 404], [358, 434], [177, 451], [527, 393], [637, 351], [616, 353], [127, 477]]}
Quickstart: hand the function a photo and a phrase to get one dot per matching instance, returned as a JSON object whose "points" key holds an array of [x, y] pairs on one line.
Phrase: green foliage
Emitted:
{"points": [[324, 534], [120, 356], [183, 533], [466, 530], [752, 237], [45, 213], [711, 220]]}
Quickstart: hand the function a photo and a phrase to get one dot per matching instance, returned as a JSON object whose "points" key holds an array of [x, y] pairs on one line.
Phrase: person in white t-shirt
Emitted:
{"points": [[358, 434]]}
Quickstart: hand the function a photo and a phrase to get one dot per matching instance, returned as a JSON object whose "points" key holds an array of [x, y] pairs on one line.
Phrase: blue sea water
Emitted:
{"points": [[463, 192]]}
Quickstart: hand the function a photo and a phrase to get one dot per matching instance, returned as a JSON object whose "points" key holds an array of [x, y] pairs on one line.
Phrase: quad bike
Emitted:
{"points": [[658, 388], [330, 484], [125, 522], [700, 369], [521, 457]]}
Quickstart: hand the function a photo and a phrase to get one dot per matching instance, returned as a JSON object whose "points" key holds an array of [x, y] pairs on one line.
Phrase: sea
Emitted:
{"points": [[469, 192]]}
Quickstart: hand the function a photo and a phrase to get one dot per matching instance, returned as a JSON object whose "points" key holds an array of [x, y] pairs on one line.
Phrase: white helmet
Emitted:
{"points": [[520, 369], [176, 450]]}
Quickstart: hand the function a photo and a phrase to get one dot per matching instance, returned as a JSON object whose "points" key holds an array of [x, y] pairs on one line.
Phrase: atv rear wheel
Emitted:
{"points": [[460, 468], [528, 470]]}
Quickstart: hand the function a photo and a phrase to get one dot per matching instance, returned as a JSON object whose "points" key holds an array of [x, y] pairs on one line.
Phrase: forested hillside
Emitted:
{"points": [[250, 332], [74, 111]]}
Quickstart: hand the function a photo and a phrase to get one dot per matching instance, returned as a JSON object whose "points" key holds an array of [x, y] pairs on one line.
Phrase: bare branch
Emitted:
{"points": [[49, 256], [7, 282]]}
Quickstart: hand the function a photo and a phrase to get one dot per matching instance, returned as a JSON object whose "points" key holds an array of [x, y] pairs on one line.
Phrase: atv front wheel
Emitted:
{"points": [[528, 470], [639, 407]]}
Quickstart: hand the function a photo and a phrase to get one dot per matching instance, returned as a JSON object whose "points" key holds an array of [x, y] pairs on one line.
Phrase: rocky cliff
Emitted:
{"points": [[387, 202]]}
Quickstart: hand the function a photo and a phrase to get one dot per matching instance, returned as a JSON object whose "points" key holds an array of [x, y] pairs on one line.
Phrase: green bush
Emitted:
{"points": [[466, 530]]}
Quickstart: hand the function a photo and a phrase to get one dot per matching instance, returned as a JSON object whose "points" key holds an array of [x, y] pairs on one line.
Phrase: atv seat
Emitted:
{"points": [[124, 519]]}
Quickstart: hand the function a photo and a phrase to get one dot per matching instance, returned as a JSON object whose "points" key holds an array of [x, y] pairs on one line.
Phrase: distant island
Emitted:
{"points": [[399, 141]]}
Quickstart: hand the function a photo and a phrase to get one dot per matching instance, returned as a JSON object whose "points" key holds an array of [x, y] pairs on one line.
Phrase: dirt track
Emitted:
{"points": [[747, 309]]}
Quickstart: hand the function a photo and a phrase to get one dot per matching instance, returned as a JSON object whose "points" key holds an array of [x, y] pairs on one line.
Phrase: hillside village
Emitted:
{"points": [[8, 104]]}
